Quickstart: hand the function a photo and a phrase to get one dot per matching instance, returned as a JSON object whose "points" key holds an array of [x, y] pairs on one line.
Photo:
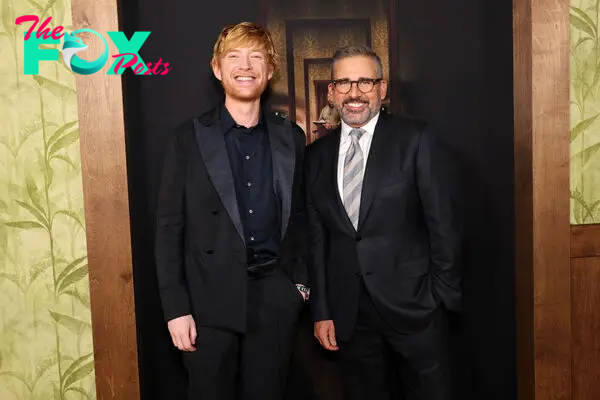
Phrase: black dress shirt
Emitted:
{"points": [[250, 158]]}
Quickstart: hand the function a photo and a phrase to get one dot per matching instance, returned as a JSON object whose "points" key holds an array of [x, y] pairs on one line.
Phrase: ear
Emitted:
{"points": [[271, 72], [216, 68], [330, 93], [383, 89]]}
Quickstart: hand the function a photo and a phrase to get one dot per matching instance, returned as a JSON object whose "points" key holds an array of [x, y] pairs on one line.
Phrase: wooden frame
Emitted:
{"points": [[307, 63], [104, 169], [541, 82], [541, 149]]}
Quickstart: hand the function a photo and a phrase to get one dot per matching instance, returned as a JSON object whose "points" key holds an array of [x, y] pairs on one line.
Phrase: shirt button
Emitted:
{"points": [[252, 238], [251, 211], [249, 184], [247, 157]]}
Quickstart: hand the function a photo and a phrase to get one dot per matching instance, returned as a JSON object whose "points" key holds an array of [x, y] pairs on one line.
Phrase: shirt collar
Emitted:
{"points": [[228, 123], [369, 127]]}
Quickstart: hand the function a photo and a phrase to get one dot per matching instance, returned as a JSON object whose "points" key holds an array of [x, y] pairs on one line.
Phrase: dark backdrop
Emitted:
{"points": [[455, 69]]}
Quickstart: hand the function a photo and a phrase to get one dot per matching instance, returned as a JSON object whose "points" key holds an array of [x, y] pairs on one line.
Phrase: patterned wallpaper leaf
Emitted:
{"points": [[37, 8], [585, 109], [582, 126], [56, 88], [65, 159], [47, 8], [582, 24], [73, 324], [73, 277], [25, 224], [585, 19], [79, 373], [46, 349], [70, 268], [77, 363], [64, 142], [34, 193], [60, 131], [38, 215], [8, 17], [71, 215]]}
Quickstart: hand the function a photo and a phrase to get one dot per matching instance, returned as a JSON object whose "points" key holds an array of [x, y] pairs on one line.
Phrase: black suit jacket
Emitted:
{"points": [[200, 249], [408, 244]]}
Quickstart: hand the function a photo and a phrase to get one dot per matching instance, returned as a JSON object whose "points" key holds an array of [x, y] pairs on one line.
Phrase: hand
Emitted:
{"points": [[325, 334], [302, 293], [183, 332]]}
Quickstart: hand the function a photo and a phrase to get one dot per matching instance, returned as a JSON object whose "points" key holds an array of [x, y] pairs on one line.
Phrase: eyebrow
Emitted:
{"points": [[344, 79], [254, 50]]}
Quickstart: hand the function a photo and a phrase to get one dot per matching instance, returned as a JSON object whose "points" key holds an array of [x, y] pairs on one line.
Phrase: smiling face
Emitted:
{"points": [[244, 72], [244, 60], [356, 107]]}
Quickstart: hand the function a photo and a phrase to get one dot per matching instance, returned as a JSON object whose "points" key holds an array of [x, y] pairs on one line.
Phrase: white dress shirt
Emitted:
{"points": [[365, 145]]}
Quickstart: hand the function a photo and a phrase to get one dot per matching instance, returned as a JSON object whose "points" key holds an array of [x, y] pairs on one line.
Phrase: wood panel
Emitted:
{"points": [[541, 94], [586, 328], [307, 63], [585, 241], [100, 107]]}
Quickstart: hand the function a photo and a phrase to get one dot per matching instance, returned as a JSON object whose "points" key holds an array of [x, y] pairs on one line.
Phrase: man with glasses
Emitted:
{"points": [[385, 240]]}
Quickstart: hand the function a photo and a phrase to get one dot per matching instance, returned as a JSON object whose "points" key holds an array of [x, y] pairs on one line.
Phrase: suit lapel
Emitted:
{"points": [[376, 165], [283, 153], [334, 186], [212, 147]]}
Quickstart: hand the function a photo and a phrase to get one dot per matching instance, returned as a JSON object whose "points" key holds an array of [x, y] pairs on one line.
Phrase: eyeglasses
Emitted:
{"points": [[365, 85]]}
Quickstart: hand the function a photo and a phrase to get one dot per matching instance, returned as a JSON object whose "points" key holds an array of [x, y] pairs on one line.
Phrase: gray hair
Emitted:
{"points": [[353, 51]]}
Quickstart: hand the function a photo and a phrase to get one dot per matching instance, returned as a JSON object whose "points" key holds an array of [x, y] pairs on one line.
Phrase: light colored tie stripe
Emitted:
{"points": [[353, 176]]}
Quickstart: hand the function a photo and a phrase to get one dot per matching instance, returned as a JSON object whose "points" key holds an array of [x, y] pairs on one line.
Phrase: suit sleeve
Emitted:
{"points": [[300, 242], [169, 246], [317, 245], [437, 180]]}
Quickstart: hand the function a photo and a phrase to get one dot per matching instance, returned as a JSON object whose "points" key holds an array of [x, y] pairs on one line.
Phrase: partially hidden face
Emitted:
{"points": [[357, 107]]}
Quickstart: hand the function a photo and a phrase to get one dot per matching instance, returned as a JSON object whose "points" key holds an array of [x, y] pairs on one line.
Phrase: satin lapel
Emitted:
{"points": [[212, 147], [380, 151], [281, 138]]}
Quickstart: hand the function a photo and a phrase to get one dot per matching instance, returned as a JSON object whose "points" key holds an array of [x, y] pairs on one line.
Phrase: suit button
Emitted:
{"points": [[358, 238], [215, 212], [209, 251]]}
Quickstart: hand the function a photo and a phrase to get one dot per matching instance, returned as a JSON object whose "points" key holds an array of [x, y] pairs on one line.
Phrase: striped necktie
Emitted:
{"points": [[353, 176]]}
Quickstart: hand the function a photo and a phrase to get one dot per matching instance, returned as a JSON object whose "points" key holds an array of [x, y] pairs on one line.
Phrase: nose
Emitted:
{"points": [[354, 92], [245, 62]]}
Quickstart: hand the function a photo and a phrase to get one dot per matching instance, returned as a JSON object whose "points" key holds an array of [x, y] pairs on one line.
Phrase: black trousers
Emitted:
{"points": [[230, 366], [380, 363]]}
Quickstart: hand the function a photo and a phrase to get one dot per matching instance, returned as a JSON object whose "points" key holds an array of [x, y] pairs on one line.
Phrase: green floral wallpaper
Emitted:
{"points": [[585, 110], [45, 329]]}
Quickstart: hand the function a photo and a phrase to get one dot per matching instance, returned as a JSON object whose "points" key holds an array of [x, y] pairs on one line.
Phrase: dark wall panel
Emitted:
{"points": [[454, 68]]}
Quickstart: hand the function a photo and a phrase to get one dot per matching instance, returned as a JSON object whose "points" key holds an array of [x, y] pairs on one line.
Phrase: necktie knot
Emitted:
{"points": [[356, 133]]}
